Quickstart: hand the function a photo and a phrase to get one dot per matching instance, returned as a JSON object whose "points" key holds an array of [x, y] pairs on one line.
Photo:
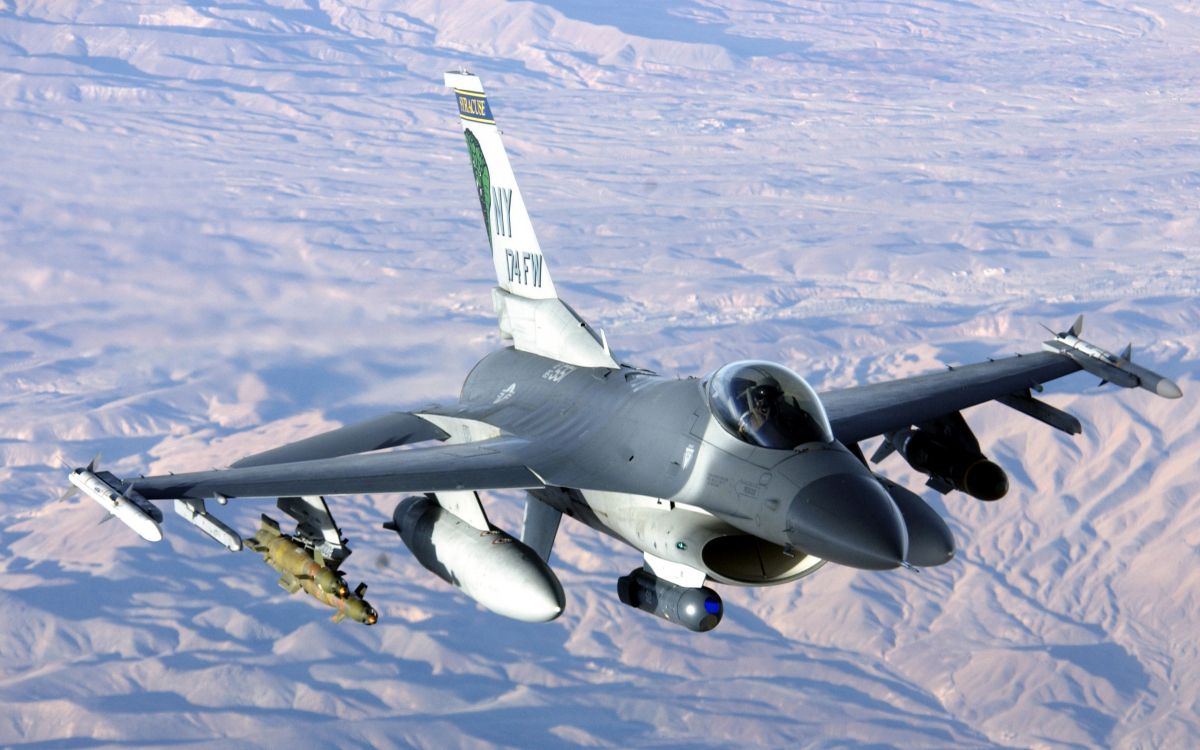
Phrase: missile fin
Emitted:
{"points": [[939, 485], [884, 450]]}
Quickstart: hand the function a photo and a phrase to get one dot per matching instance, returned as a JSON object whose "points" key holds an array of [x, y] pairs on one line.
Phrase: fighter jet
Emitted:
{"points": [[745, 476]]}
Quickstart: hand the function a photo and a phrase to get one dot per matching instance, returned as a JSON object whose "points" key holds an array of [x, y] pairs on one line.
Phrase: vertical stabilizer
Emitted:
{"points": [[520, 266], [527, 304]]}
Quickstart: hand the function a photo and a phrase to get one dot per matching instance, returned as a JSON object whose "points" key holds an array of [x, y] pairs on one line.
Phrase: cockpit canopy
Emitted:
{"points": [[767, 405]]}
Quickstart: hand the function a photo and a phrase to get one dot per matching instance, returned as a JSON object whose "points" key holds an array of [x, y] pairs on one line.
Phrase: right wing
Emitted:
{"points": [[499, 463]]}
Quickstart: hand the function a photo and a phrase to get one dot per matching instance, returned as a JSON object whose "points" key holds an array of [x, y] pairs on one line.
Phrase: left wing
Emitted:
{"points": [[878, 409], [499, 463], [387, 431]]}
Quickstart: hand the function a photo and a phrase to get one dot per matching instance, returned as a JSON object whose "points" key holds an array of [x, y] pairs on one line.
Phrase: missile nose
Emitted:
{"points": [[1167, 389], [848, 519]]}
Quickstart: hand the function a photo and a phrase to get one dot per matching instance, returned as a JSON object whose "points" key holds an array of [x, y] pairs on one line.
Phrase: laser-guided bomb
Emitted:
{"points": [[303, 567]]}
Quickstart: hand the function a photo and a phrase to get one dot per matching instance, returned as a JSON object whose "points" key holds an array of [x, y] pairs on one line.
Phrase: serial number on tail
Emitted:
{"points": [[524, 268]]}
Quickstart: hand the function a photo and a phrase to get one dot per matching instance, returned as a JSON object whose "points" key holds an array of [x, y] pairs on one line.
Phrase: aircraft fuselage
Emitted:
{"points": [[673, 479]]}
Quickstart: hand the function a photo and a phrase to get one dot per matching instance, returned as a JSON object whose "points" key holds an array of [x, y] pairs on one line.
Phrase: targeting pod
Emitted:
{"points": [[699, 609]]}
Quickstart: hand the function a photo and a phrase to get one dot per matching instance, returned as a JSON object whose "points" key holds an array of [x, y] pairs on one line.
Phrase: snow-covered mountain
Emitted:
{"points": [[225, 226]]}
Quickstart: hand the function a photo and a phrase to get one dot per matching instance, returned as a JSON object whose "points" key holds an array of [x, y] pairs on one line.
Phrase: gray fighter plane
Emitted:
{"points": [[745, 477]]}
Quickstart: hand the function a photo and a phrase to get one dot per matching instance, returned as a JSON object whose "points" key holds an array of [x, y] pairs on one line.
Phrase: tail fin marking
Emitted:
{"points": [[526, 301], [520, 266]]}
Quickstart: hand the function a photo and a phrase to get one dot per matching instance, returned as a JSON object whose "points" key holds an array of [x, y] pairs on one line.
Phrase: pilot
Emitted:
{"points": [[763, 399], [775, 420]]}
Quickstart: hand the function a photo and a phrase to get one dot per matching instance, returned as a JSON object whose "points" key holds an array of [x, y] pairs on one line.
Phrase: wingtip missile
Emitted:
{"points": [[1109, 367], [122, 503], [1164, 387]]}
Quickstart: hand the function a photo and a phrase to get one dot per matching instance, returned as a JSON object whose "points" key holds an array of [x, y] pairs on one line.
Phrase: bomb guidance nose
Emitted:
{"points": [[848, 518]]}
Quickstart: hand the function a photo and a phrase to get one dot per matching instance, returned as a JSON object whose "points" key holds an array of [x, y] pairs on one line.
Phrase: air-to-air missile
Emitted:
{"points": [[1110, 368], [125, 504], [302, 567]]}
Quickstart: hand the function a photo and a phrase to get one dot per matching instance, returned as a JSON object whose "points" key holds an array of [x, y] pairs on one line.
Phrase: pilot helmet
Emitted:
{"points": [[765, 393]]}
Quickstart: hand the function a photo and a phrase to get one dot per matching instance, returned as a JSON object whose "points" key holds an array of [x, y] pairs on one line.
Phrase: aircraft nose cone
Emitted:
{"points": [[848, 519]]}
